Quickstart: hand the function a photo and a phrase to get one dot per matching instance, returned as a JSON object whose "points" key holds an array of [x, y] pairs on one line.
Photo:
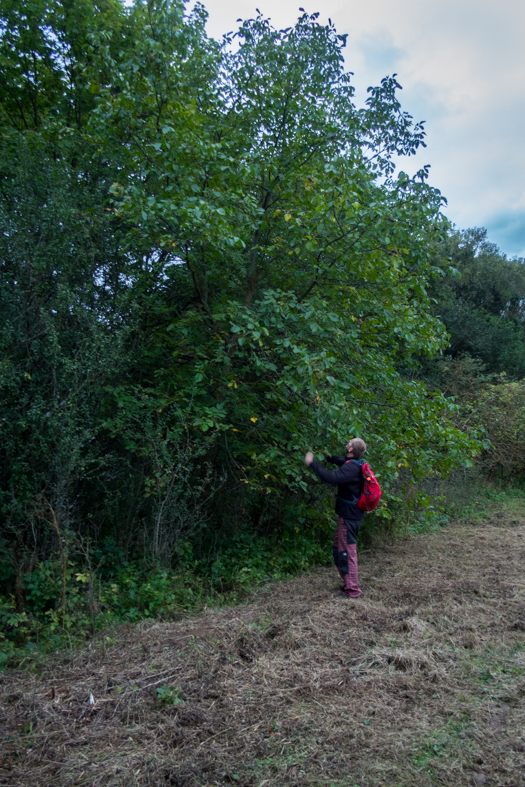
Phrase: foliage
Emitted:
{"points": [[483, 306], [500, 412], [490, 406], [167, 695], [45, 48]]}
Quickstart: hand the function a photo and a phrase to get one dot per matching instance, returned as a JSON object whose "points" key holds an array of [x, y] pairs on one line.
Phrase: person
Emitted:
{"points": [[349, 481]]}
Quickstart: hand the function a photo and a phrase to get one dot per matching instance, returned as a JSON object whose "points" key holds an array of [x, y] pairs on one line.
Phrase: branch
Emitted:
{"points": [[319, 276]]}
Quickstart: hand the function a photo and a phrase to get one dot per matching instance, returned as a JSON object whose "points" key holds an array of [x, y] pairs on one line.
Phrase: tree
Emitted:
{"points": [[296, 264], [483, 306]]}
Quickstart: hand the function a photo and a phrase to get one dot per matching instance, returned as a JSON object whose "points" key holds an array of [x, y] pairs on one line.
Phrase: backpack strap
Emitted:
{"points": [[344, 500]]}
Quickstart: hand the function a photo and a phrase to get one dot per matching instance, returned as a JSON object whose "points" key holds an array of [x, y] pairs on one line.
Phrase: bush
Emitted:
{"points": [[500, 413], [65, 603]]}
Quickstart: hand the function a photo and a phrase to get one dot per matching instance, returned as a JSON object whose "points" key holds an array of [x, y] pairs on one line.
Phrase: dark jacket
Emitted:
{"points": [[349, 481]]}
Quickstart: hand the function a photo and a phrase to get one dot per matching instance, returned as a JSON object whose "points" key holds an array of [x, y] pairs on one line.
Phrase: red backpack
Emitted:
{"points": [[371, 490]]}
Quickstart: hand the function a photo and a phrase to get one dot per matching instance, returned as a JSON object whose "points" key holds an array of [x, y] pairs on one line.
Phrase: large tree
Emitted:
{"points": [[297, 263]]}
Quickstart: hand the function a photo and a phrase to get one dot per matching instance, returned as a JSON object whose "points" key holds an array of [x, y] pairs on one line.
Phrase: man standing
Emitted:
{"points": [[349, 481]]}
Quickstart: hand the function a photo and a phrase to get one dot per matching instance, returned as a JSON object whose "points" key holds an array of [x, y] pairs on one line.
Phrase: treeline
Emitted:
{"points": [[209, 266], [481, 301]]}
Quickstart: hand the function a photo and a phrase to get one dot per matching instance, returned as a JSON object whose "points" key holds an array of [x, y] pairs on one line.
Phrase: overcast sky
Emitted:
{"points": [[462, 67]]}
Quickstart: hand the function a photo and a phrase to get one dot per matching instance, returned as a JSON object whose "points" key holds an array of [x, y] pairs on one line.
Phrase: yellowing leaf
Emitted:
{"points": [[253, 419]]}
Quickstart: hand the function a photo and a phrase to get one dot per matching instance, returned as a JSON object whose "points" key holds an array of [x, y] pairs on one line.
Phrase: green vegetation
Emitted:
{"points": [[210, 266], [483, 306]]}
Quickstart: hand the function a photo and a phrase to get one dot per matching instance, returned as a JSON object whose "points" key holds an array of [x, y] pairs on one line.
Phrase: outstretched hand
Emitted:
{"points": [[309, 458]]}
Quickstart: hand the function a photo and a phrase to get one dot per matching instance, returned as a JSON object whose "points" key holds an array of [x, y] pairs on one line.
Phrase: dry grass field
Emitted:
{"points": [[420, 682]]}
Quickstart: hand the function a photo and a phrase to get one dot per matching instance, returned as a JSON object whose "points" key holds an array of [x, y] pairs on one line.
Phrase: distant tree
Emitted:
{"points": [[483, 307]]}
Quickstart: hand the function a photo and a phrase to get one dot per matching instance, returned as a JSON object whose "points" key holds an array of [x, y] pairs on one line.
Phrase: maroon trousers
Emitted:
{"points": [[345, 555]]}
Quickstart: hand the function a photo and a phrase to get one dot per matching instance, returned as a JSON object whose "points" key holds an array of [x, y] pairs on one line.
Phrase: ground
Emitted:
{"points": [[420, 682]]}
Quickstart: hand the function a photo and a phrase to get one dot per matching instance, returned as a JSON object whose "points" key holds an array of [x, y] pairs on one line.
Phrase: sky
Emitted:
{"points": [[462, 67]]}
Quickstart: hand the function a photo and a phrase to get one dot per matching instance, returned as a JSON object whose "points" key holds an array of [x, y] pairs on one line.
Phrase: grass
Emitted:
{"points": [[419, 683]]}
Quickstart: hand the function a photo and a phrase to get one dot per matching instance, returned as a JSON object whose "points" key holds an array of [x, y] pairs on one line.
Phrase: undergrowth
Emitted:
{"points": [[61, 603]]}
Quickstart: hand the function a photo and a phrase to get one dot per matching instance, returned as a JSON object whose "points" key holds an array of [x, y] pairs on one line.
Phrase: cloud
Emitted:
{"points": [[379, 51], [508, 231], [462, 67]]}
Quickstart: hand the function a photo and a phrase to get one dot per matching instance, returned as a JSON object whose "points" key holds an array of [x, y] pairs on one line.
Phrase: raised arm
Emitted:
{"points": [[334, 477], [336, 460]]}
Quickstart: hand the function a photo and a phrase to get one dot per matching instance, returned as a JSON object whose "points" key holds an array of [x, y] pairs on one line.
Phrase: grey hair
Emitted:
{"points": [[358, 447]]}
